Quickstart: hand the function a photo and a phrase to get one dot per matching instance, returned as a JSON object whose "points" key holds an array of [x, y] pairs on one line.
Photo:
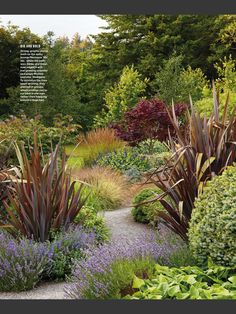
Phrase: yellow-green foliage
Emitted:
{"points": [[109, 189], [123, 96], [212, 230], [205, 105], [75, 156]]}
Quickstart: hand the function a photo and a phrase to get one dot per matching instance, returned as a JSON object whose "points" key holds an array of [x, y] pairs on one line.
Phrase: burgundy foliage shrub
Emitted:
{"points": [[148, 120]]}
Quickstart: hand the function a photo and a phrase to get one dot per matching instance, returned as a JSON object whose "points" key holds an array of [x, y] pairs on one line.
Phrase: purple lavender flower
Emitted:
{"points": [[21, 263], [66, 248], [89, 273]]}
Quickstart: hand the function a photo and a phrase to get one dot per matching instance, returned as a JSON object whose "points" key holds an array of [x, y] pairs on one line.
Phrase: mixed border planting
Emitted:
{"points": [[161, 146]]}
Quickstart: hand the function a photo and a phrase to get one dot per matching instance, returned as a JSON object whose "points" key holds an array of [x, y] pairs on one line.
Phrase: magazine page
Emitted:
{"points": [[117, 157]]}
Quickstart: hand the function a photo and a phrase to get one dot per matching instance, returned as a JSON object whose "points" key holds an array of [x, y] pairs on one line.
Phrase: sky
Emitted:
{"points": [[61, 25]]}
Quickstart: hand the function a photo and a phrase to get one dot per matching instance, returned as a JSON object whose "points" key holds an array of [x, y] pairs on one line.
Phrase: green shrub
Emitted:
{"points": [[212, 230], [146, 213], [90, 221], [158, 160], [150, 146], [125, 160], [205, 105], [121, 97], [21, 129], [191, 282]]}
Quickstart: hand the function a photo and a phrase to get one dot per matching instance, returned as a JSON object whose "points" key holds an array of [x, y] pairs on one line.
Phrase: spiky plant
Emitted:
{"points": [[44, 198], [205, 150]]}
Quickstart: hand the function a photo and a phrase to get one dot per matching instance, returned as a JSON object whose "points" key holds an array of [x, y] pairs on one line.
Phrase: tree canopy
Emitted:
{"points": [[83, 73]]}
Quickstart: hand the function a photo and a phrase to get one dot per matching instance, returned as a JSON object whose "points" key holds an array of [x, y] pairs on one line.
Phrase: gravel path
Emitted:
{"points": [[45, 291], [121, 224]]}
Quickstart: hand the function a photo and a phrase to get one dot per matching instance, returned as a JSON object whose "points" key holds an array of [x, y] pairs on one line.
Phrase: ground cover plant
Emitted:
{"points": [[191, 282], [128, 161]]}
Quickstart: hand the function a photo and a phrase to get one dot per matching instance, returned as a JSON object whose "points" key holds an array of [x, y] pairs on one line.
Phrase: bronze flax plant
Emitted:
{"points": [[44, 198], [206, 148]]}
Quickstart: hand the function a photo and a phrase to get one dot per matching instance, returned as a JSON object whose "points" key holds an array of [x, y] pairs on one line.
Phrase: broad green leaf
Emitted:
{"points": [[233, 279], [182, 295], [137, 282], [194, 293], [173, 291], [189, 279]]}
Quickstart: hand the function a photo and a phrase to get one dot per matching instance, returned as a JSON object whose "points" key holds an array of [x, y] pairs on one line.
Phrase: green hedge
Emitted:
{"points": [[212, 230]]}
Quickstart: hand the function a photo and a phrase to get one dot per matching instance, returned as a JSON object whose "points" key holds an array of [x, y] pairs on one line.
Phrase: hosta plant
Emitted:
{"points": [[191, 282], [44, 198]]}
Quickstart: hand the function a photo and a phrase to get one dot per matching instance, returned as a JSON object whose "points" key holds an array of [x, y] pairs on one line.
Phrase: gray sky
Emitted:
{"points": [[61, 25]]}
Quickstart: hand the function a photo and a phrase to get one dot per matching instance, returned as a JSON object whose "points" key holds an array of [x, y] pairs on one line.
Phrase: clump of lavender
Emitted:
{"points": [[66, 248], [109, 268], [22, 263]]}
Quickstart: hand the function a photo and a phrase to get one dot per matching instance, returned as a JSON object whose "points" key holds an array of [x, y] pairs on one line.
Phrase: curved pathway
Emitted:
{"points": [[122, 225]]}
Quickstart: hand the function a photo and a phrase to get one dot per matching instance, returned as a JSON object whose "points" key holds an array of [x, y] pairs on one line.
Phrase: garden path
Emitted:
{"points": [[45, 291], [121, 225]]}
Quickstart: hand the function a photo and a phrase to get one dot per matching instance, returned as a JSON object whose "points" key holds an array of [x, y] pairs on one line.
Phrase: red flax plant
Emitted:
{"points": [[205, 150], [44, 198]]}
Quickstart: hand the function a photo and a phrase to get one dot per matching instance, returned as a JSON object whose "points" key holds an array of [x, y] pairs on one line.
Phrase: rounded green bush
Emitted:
{"points": [[212, 231], [146, 213]]}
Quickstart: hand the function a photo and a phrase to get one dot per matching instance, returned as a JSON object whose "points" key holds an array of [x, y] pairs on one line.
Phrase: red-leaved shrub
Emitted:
{"points": [[148, 120]]}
